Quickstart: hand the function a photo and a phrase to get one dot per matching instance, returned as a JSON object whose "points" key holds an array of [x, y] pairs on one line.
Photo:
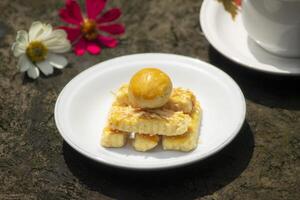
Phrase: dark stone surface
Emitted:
{"points": [[263, 162]]}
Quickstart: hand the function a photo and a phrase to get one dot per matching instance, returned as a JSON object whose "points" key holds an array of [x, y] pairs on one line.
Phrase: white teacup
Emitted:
{"points": [[274, 25]]}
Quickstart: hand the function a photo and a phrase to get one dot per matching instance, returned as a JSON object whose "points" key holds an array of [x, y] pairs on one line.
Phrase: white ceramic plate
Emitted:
{"points": [[230, 38], [82, 107]]}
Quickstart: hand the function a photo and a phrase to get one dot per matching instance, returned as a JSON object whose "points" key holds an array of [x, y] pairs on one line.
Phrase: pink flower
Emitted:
{"points": [[92, 31]]}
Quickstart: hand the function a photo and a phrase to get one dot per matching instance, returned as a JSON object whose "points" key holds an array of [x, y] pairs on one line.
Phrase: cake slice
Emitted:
{"points": [[181, 100], [156, 121], [189, 140], [122, 98], [145, 142], [113, 138]]}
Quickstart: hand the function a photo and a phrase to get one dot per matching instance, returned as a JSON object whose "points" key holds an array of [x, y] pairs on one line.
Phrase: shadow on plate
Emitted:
{"points": [[267, 58], [128, 150], [262, 88], [195, 180]]}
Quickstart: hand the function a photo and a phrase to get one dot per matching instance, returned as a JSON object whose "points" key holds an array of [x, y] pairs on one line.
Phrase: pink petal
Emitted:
{"points": [[64, 15], [71, 13], [108, 41], [80, 47], [94, 7], [74, 9], [110, 15], [73, 33], [113, 28], [93, 48]]}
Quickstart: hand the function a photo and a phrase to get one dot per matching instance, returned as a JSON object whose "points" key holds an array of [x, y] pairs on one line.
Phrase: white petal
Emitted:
{"points": [[59, 46], [45, 67], [24, 63], [55, 35], [51, 42], [13, 46], [57, 61], [33, 72], [35, 30], [47, 31], [58, 33], [58, 42], [22, 38], [18, 49]]}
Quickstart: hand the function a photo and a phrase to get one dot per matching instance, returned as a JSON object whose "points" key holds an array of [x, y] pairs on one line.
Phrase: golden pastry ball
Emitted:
{"points": [[149, 88]]}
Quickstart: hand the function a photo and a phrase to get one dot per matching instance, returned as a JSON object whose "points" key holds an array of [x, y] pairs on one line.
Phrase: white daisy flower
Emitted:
{"points": [[38, 49]]}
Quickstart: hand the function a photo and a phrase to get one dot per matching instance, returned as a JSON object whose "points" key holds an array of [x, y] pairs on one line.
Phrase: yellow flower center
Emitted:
{"points": [[89, 29], [36, 51]]}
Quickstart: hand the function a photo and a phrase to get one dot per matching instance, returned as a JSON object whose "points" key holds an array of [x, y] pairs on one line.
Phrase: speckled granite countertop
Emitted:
{"points": [[263, 162]]}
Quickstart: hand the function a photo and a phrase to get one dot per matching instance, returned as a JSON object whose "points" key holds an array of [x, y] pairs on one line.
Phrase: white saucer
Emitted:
{"points": [[230, 38], [82, 108]]}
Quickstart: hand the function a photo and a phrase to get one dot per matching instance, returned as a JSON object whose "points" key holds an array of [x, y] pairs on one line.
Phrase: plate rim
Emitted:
{"points": [[202, 21], [158, 167]]}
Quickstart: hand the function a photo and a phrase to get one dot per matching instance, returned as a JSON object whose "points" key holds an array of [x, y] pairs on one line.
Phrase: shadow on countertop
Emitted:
{"points": [[195, 180], [262, 88]]}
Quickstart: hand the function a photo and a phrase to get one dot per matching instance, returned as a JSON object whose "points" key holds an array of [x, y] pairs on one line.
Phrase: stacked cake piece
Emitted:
{"points": [[172, 118]]}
